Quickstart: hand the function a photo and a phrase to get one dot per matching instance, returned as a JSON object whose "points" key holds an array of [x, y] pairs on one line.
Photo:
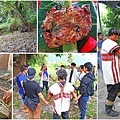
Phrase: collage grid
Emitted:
{"points": [[59, 61]]}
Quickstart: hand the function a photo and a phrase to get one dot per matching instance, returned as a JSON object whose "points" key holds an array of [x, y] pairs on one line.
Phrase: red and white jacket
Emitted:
{"points": [[110, 62], [61, 96]]}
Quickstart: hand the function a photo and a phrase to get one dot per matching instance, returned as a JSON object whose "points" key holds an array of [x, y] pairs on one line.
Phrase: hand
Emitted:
{"points": [[76, 100], [47, 103], [78, 96], [7, 96]]}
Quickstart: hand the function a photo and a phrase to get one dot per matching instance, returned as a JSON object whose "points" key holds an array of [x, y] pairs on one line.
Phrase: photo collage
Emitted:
{"points": [[60, 59]]}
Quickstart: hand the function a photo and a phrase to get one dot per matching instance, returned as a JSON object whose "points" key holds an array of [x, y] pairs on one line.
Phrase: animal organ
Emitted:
{"points": [[66, 25]]}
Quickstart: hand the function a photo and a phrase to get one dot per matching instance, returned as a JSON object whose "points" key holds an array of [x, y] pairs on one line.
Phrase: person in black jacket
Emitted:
{"points": [[86, 89]]}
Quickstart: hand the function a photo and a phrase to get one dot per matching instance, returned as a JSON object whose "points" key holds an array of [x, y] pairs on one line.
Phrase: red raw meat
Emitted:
{"points": [[66, 25]]}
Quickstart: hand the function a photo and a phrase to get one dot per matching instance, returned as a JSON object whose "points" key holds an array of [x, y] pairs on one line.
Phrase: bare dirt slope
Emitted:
{"points": [[18, 42]]}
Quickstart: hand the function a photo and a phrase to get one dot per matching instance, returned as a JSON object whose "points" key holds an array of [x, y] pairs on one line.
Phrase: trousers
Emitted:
{"points": [[82, 102], [45, 84], [112, 91], [34, 114]]}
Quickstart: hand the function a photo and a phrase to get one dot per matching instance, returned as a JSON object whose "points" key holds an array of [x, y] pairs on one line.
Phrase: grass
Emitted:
{"points": [[74, 112], [17, 103], [4, 25], [92, 107], [16, 100], [4, 28]]}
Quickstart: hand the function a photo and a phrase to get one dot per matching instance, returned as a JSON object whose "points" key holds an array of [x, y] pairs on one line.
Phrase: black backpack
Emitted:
{"points": [[15, 85], [90, 88]]}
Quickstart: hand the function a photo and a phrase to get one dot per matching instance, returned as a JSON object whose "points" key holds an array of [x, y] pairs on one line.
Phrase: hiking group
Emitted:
{"points": [[67, 86]]}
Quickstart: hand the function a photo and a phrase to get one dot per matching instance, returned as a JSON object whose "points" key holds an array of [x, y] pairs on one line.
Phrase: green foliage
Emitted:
{"points": [[69, 58], [16, 13], [38, 59], [112, 19], [29, 11], [15, 22], [59, 55]]}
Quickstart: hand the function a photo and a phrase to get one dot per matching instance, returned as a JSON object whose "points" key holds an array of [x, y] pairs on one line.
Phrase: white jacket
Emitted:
{"points": [[41, 79], [74, 76], [61, 100]]}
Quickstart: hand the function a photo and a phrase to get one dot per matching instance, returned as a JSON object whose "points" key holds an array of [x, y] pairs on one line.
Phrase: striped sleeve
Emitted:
{"points": [[117, 47], [110, 46]]}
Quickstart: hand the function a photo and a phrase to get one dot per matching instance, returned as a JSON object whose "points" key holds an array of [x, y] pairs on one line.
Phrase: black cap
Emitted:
{"points": [[31, 73]]}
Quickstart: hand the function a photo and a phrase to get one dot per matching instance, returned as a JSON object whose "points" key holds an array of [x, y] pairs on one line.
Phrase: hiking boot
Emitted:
{"points": [[110, 111]]}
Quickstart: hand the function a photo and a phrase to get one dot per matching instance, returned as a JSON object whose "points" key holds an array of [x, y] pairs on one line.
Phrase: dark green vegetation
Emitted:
{"points": [[111, 17], [17, 16]]}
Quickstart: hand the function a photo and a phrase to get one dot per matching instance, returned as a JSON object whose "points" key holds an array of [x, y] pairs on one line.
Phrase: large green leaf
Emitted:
{"points": [[44, 7]]}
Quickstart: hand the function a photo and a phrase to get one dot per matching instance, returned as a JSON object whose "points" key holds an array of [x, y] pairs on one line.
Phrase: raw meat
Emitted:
{"points": [[66, 25]]}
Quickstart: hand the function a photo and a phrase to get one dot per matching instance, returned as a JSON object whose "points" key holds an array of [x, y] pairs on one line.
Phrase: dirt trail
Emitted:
{"points": [[18, 42], [47, 111]]}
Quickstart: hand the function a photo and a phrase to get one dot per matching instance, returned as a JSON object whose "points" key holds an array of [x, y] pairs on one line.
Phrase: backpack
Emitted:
{"points": [[15, 85], [90, 88]]}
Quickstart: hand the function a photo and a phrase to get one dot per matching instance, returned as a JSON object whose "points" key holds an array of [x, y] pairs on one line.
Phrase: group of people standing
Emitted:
{"points": [[108, 60], [61, 91]]}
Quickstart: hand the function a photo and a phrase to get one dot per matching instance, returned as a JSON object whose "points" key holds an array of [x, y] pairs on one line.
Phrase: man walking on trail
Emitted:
{"points": [[109, 54], [33, 92]]}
